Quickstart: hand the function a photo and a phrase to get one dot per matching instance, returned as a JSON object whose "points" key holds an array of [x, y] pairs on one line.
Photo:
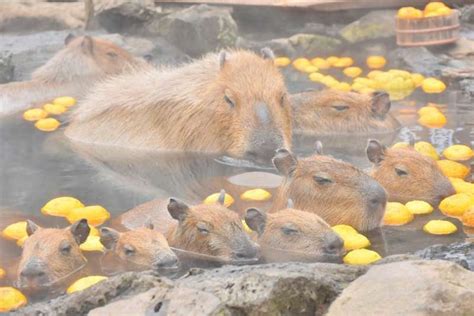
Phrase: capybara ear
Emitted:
{"points": [[319, 147], [290, 204], [284, 161], [221, 198], [222, 58], [380, 103], [80, 230], [375, 151], [109, 237], [87, 44], [177, 209], [69, 38], [256, 220], [149, 224], [267, 53], [31, 227]]}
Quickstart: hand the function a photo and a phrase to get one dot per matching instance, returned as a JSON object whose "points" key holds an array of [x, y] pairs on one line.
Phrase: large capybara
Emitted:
{"points": [[333, 189], [408, 175], [51, 255], [203, 229], [139, 249], [293, 235], [339, 112], [234, 103], [72, 71]]}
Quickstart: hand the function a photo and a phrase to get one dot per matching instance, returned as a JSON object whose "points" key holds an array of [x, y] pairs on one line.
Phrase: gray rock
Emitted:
{"points": [[374, 25], [418, 59], [467, 87], [198, 29], [467, 14], [6, 67], [322, 29], [409, 288], [461, 253], [312, 44], [280, 46]]}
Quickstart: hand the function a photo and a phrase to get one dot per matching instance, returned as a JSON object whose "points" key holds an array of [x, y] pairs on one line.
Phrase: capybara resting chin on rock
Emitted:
{"points": [[408, 175], [50, 255], [339, 112], [335, 190], [293, 235], [234, 103], [72, 71]]}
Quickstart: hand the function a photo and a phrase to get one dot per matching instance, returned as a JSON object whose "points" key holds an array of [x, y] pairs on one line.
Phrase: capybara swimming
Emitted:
{"points": [[408, 175], [233, 102], [293, 235], [339, 112], [141, 248], [72, 71], [51, 254], [335, 190]]}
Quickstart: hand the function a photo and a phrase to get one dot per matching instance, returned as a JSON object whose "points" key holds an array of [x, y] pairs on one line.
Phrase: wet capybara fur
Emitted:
{"points": [[408, 175], [50, 255], [335, 190], [233, 102], [294, 235], [340, 112], [72, 72]]}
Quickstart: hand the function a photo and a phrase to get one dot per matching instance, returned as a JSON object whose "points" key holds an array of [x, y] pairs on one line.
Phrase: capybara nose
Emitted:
{"points": [[33, 270], [377, 198], [250, 252], [333, 244], [166, 261]]}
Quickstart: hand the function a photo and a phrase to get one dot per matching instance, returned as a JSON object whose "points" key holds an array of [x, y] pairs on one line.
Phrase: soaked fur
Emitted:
{"points": [[335, 190], [72, 72], [339, 112], [293, 235], [408, 175], [189, 108]]}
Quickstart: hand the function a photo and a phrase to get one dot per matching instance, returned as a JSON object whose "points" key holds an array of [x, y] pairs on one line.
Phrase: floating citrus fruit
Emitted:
{"points": [[213, 198], [65, 101], [20, 242], [54, 109], [47, 125], [282, 61], [300, 63], [84, 283], [343, 62], [320, 63], [352, 71], [361, 257], [433, 85], [456, 205], [246, 227], [439, 227], [316, 76], [15, 231], [461, 186], [401, 145], [332, 60], [417, 79], [468, 217], [397, 214], [10, 299], [92, 243], [453, 169], [376, 62], [61, 206], [433, 120], [344, 229], [95, 215], [409, 13], [428, 110], [458, 153], [426, 149], [256, 195], [419, 207], [35, 114], [309, 69], [342, 86], [355, 241]]}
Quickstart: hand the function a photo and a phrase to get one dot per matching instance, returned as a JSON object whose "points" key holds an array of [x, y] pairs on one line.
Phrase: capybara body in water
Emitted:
{"points": [[72, 71], [335, 190], [408, 175], [141, 248], [234, 103], [51, 255], [339, 112], [293, 235]]}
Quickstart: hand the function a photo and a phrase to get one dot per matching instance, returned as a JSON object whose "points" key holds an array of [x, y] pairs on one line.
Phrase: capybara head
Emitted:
{"points": [[88, 58], [210, 230], [254, 110], [335, 190], [334, 111], [293, 235], [142, 248], [50, 254], [408, 175]]}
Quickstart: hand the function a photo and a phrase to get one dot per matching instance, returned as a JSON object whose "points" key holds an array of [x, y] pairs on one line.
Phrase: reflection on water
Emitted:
{"points": [[36, 167]]}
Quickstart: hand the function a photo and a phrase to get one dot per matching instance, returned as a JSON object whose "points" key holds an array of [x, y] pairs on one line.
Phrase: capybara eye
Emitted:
{"points": [[401, 172], [289, 230], [340, 108], [322, 180], [229, 101], [129, 250], [202, 228], [112, 54], [65, 248]]}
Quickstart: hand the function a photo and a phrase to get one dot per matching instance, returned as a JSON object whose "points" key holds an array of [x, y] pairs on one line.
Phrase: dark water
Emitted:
{"points": [[37, 166]]}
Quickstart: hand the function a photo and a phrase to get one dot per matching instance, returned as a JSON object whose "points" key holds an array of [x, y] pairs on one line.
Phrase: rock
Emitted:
{"points": [[280, 46], [409, 288], [6, 67], [40, 16], [164, 53], [461, 253], [332, 30], [418, 59], [467, 88], [198, 29], [374, 25], [312, 44], [467, 14]]}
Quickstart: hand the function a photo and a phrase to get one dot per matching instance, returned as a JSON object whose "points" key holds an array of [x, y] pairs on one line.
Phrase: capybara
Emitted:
{"points": [[335, 190], [233, 102], [203, 229], [141, 248], [50, 254], [340, 112], [293, 235], [408, 175], [72, 71]]}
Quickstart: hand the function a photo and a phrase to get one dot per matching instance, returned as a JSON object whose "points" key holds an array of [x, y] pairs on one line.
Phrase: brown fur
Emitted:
{"points": [[346, 195], [185, 108], [72, 71], [316, 112], [423, 181]]}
